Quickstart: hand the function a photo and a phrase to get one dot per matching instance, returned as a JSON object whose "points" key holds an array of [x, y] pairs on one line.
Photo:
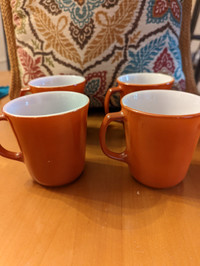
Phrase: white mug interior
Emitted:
{"points": [[163, 102], [146, 78], [46, 104], [56, 81]]}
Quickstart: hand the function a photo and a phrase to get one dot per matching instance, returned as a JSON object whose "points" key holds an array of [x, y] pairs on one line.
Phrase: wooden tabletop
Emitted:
{"points": [[103, 218]]}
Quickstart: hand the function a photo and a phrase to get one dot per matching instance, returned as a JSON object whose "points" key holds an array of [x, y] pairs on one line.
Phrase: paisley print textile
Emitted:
{"points": [[51, 6], [99, 39]]}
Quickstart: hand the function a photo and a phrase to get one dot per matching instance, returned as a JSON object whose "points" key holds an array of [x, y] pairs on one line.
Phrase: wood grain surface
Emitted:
{"points": [[104, 218]]}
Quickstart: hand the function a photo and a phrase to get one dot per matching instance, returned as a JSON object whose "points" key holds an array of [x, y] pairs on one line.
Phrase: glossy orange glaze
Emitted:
{"points": [[34, 89], [52, 147], [158, 149], [126, 88]]}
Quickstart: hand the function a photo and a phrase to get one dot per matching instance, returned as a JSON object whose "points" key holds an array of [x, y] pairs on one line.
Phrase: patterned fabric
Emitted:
{"points": [[99, 39]]}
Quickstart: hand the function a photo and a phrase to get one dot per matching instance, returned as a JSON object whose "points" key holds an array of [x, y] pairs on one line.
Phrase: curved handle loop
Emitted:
{"points": [[9, 154], [108, 95], [24, 91], [118, 116]]}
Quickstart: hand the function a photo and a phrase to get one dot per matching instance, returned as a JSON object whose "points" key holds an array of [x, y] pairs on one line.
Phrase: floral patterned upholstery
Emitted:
{"points": [[99, 39]]}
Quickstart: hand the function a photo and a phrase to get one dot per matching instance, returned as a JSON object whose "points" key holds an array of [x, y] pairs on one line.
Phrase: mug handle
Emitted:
{"points": [[9, 154], [118, 116], [24, 91], [108, 95]]}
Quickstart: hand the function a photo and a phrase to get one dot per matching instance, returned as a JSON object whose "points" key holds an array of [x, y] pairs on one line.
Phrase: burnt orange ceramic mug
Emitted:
{"points": [[55, 83], [162, 129], [50, 128], [138, 81]]}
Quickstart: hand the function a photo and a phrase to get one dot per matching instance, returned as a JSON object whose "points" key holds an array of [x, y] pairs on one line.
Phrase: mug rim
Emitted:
{"points": [[171, 79], [192, 115], [43, 94], [51, 77]]}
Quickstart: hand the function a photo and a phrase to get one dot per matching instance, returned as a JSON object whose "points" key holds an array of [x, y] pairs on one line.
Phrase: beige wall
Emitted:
{"points": [[3, 63]]}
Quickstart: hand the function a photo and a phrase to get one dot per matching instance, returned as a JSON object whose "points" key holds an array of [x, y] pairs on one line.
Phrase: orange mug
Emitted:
{"points": [[162, 129], [55, 83], [138, 81], [50, 128]]}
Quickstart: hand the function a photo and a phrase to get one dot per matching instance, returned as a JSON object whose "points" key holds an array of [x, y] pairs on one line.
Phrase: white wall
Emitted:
{"points": [[3, 59]]}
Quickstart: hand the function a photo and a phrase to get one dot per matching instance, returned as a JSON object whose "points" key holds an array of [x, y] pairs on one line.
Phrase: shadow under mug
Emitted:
{"points": [[50, 128], [162, 129], [55, 83], [138, 81]]}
